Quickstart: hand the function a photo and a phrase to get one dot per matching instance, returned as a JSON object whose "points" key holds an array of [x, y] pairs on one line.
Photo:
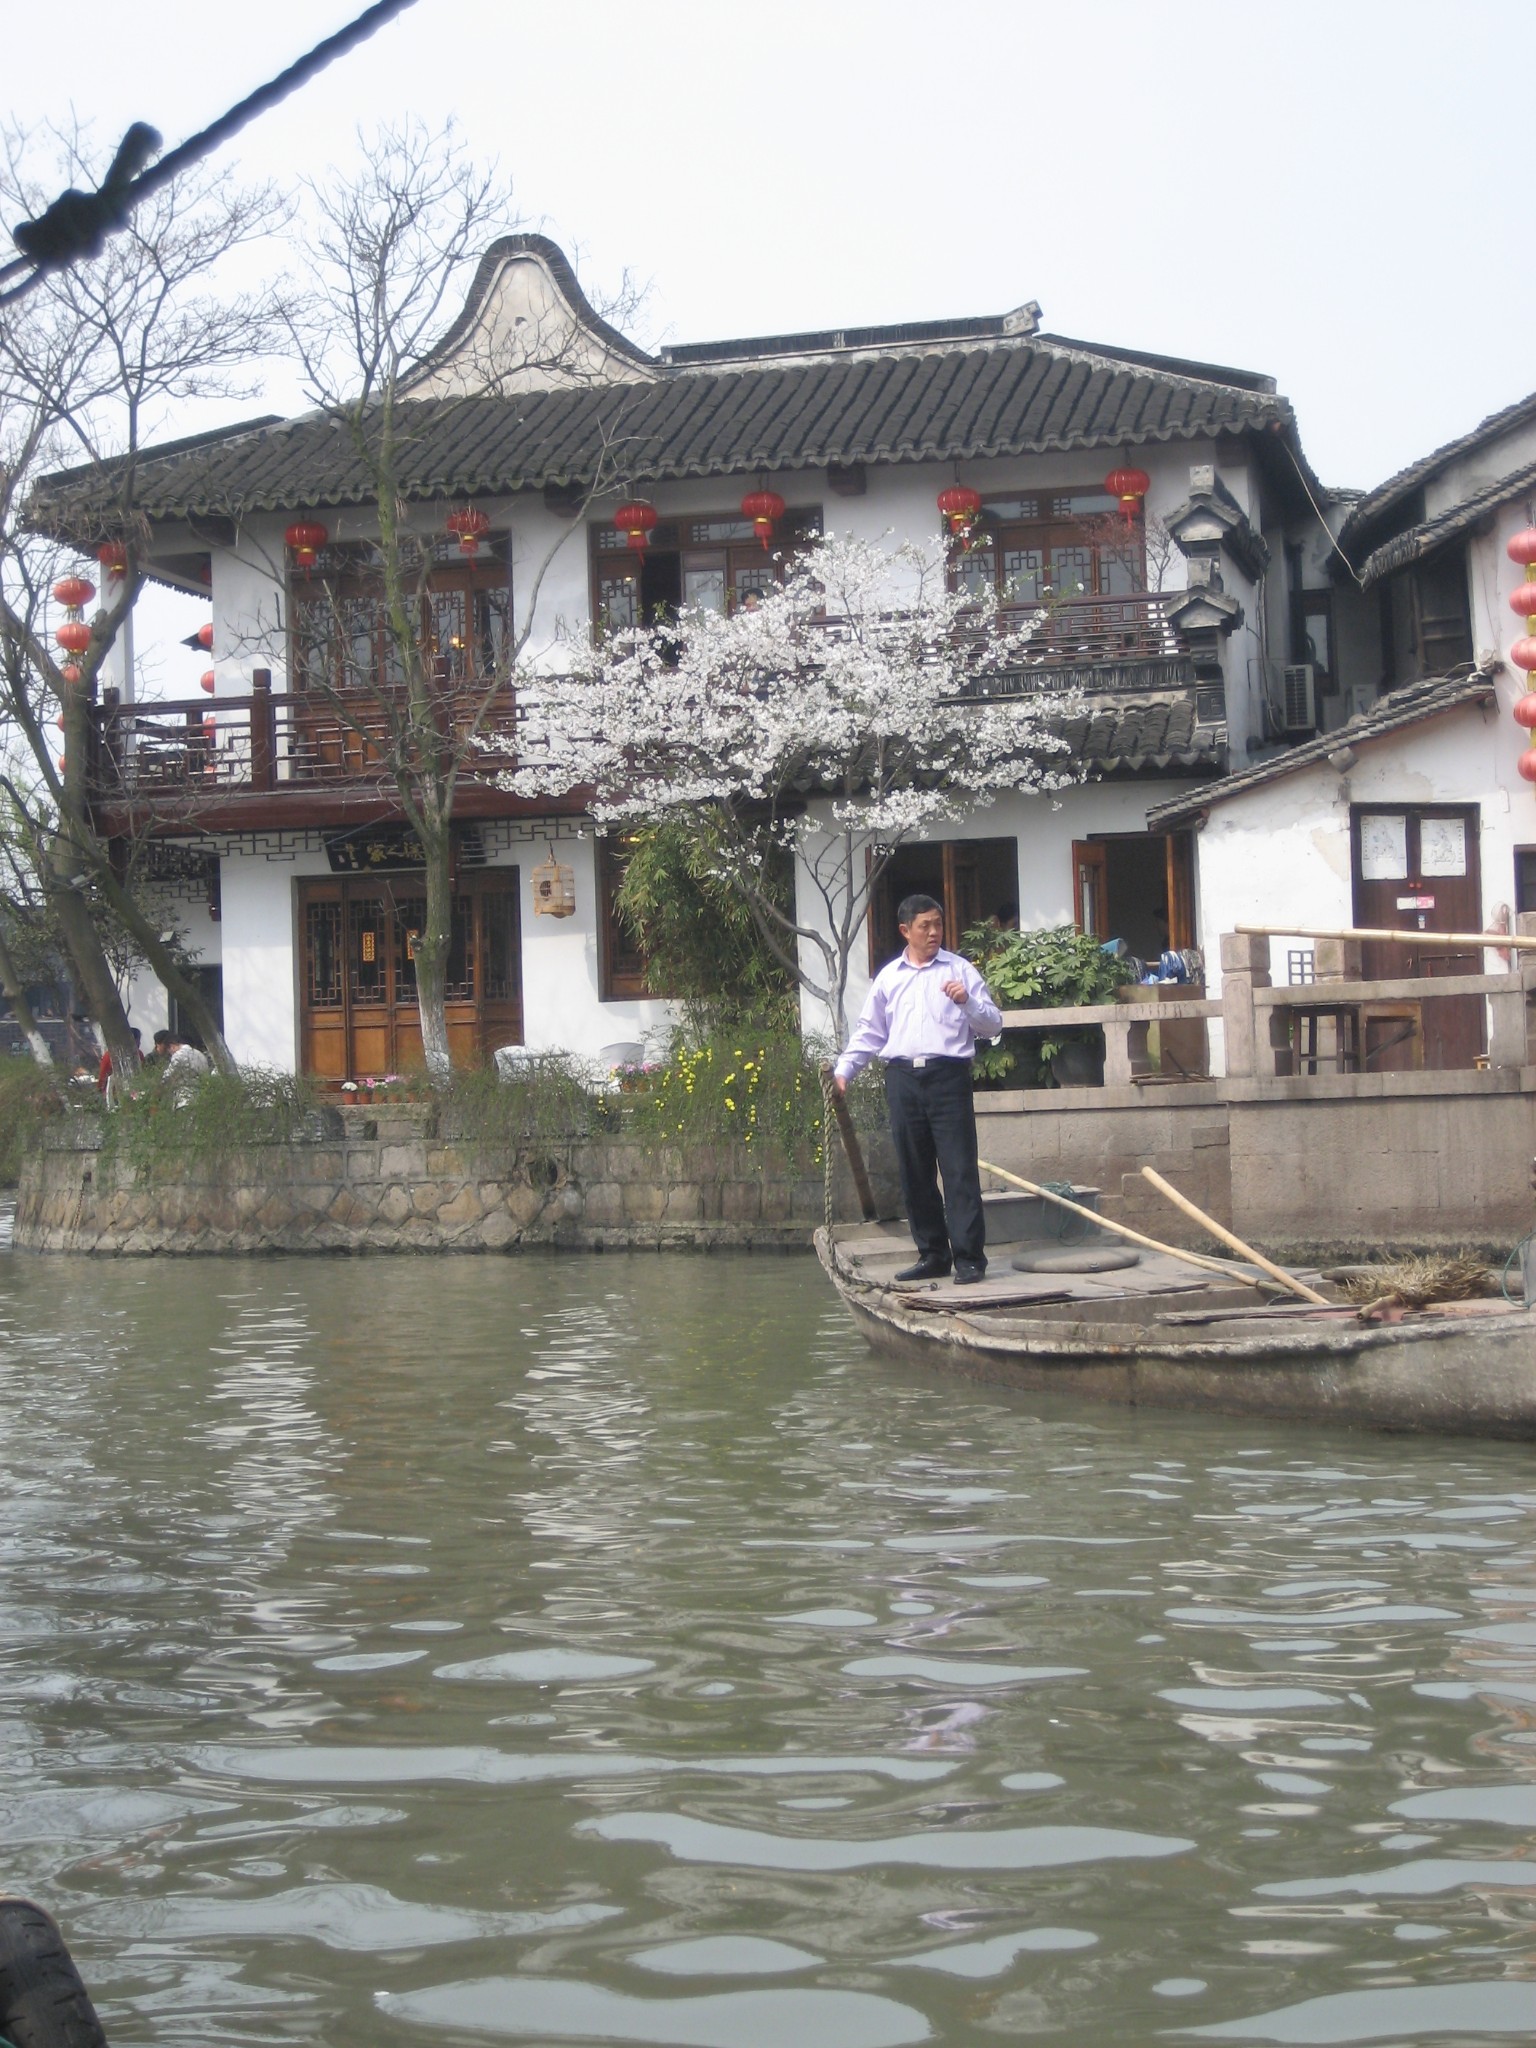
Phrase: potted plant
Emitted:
{"points": [[1056, 969]]}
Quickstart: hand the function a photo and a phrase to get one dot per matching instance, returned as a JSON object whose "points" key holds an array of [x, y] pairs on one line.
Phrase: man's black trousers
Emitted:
{"points": [[933, 1126]]}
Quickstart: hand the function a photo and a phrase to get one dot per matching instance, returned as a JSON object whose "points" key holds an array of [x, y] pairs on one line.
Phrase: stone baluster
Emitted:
{"points": [[1244, 967]]}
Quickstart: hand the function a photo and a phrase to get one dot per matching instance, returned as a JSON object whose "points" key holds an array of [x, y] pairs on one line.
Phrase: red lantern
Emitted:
{"points": [[1521, 547], [960, 506], [74, 592], [763, 508], [208, 679], [1130, 486], [70, 673], [113, 557], [1522, 599], [306, 537], [74, 636], [205, 637], [1526, 764], [636, 521], [1523, 654], [468, 525], [1525, 711]]}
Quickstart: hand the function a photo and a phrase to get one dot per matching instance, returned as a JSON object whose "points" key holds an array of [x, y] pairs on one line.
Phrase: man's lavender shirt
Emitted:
{"points": [[907, 1015]]}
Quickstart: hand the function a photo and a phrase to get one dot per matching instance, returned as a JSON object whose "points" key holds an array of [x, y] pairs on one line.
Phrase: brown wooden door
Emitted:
{"points": [[1416, 870], [357, 976], [1090, 887]]}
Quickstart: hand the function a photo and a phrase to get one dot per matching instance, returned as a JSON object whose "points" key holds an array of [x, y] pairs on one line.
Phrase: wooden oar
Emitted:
{"points": [[1244, 1251], [851, 1146], [1120, 1229]]}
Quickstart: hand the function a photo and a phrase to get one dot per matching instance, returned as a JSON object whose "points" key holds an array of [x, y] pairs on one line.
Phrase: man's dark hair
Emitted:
{"points": [[914, 906], [162, 1038]]}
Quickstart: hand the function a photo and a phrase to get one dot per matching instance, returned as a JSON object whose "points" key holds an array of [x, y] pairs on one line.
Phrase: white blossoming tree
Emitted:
{"points": [[854, 706]]}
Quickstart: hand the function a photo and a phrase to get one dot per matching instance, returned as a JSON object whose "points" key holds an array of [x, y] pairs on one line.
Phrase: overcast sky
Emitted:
{"points": [[1329, 191]]}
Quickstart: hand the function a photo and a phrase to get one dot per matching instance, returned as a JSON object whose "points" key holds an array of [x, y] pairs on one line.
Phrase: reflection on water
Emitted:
{"points": [[612, 1650]]}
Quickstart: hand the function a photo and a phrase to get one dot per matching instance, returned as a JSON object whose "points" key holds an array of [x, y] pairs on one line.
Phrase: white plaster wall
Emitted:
{"points": [[1279, 854], [261, 1019], [1044, 827], [561, 1010], [145, 999]]}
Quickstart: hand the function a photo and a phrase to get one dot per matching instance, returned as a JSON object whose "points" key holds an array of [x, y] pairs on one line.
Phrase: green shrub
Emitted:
{"points": [[1057, 969], [758, 1089], [29, 1096], [210, 1116], [551, 1100]]}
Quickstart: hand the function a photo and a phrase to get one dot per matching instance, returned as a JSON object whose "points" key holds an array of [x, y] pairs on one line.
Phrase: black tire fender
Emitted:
{"points": [[43, 2003]]}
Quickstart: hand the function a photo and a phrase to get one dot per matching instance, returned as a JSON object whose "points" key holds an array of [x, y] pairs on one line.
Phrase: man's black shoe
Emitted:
{"points": [[967, 1276], [927, 1268]]}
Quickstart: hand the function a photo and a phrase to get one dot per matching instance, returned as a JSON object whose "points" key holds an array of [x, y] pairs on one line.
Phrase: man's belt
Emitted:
{"points": [[935, 1059]]}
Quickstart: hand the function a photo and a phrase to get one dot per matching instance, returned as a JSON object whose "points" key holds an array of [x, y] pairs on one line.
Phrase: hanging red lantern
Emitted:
{"points": [[207, 679], [1130, 486], [1521, 547], [961, 507], [70, 673], [468, 525], [305, 538], [636, 521], [1525, 711], [74, 592], [205, 637], [764, 509], [1527, 764], [1522, 598], [1523, 654], [74, 636], [113, 557]]}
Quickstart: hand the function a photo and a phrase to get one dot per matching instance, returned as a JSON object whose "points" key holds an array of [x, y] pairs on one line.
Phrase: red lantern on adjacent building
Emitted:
{"points": [[1525, 711], [636, 520], [113, 557], [1130, 486], [70, 673], [1521, 547], [205, 637], [74, 636], [961, 507], [1527, 764], [305, 538], [764, 509], [207, 680], [1522, 654], [468, 525], [74, 592]]}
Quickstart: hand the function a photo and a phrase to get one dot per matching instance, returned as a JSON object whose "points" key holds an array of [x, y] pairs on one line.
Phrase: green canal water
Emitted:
{"points": [[612, 1650]]}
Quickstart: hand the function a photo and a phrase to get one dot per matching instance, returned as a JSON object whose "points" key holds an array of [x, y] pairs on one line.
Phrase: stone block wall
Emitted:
{"points": [[389, 1184]]}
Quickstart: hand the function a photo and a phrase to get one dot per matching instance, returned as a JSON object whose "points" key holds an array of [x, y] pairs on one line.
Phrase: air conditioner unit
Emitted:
{"points": [[1300, 697]]}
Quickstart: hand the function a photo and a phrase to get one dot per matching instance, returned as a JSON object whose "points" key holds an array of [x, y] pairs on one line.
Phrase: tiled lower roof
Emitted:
{"points": [[1420, 541], [1396, 711], [955, 403], [1146, 735]]}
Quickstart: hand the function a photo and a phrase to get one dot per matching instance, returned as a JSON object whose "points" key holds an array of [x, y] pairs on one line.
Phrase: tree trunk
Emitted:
{"points": [[93, 974], [14, 993], [163, 963], [433, 946]]}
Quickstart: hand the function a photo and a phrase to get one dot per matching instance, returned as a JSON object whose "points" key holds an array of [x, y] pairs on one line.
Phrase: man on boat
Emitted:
{"points": [[924, 1013]]}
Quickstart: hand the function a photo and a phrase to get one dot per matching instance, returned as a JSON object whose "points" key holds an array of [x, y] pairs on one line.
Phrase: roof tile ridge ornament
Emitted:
{"points": [[585, 318], [1211, 518]]}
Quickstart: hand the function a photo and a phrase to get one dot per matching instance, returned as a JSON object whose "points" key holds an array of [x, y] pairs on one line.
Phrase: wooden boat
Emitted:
{"points": [[1163, 1334]]}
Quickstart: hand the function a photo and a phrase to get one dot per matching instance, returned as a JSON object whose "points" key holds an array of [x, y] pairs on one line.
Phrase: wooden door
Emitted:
{"points": [[1090, 887], [1416, 870]]}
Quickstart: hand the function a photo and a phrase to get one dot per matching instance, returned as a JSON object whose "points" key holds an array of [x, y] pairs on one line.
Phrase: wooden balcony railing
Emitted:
{"points": [[196, 748]]}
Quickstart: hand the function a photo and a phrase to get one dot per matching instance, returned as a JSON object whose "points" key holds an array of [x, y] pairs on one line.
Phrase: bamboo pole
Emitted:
{"points": [[1227, 1237], [1511, 942], [1222, 1266], [851, 1146]]}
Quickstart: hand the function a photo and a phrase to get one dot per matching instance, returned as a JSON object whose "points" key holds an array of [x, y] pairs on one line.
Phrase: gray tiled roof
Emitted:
{"points": [[1420, 541], [1369, 510], [945, 403], [1389, 714], [1144, 735]]}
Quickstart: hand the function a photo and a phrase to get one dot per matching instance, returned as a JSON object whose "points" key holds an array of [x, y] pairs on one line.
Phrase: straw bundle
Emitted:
{"points": [[1416, 1282]]}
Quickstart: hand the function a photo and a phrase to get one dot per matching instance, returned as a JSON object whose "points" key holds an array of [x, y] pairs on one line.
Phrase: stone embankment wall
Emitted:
{"points": [[389, 1184], [1347, 1162]]}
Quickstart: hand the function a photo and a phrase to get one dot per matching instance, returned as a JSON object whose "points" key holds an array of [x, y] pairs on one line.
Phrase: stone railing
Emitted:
{"points": [[1291, 1033]]}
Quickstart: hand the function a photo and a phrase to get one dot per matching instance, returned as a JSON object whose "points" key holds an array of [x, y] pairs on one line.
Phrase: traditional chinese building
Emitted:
{"points": [[1162, 506]]}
